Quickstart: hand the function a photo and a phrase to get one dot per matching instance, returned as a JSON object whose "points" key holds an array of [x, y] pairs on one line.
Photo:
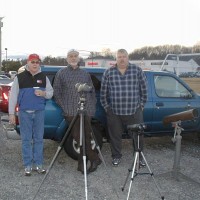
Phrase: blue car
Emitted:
{"points": [[167, 95]]}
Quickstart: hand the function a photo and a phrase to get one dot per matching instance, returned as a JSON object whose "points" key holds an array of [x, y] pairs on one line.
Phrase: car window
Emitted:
{"points": [[12, 72], [95, 80], [168, 86], [50, 76], [3, 77]]}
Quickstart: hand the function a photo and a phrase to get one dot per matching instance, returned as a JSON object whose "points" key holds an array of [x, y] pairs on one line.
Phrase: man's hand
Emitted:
{"points": [[12, 119], [40, 93], [142, 107], [108, 109]]}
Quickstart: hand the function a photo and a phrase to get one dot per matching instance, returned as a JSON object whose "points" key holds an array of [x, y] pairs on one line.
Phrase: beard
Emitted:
{"points": [[73, 63]]}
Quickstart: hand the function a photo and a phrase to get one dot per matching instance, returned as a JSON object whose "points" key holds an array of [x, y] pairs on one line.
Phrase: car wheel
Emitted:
{"points": [[72, 148]]}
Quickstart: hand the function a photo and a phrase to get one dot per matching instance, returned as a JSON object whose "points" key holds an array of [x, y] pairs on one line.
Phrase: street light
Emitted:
{"points": [[1, 25], [6, 49]]}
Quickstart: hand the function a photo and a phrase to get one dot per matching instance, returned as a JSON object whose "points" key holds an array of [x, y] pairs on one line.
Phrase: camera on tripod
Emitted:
{"points": [[83, 87], [136, 127]]}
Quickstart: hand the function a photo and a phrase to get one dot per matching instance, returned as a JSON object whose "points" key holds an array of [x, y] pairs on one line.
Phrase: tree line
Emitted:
{"points": [[144, 53]]}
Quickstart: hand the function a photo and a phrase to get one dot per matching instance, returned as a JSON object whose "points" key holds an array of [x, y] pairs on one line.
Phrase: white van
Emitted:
{"points": [[12, 74]]}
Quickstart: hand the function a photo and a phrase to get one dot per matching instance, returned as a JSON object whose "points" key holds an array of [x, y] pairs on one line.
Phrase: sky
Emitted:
{"points": [[51, 28]]}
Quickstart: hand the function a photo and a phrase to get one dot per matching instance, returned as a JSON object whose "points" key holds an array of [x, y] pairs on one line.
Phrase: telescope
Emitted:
{"points": [[136, 127], [185, 115]]}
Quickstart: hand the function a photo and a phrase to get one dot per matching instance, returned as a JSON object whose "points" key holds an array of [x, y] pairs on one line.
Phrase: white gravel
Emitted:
{"points": [[64, 182]]}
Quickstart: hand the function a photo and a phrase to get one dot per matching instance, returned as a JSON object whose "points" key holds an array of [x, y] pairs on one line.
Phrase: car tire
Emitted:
{"points": [[72, 148]]}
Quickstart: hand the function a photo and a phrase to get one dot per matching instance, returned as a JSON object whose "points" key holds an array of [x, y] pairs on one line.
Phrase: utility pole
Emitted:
{"points": [[1, 25], [6, 69]]}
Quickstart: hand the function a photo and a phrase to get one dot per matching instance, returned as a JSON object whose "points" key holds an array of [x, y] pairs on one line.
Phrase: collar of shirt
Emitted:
{"points": [[71, 68]]}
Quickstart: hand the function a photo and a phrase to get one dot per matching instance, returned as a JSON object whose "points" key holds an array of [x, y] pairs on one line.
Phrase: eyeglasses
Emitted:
{"points": [[35, 62]]}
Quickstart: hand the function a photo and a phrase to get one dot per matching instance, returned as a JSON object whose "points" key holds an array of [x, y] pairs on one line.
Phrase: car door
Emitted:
{"points": [[55, 124], [172, 96]]}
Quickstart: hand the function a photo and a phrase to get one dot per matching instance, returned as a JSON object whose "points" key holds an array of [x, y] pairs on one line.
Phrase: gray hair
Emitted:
{"points": [[122, 51]]}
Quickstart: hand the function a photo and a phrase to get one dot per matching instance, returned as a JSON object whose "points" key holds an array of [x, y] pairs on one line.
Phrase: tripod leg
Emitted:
{"points": [[57, 153], [82, 136], [100, 154], [136, 161], [128, 174], [152, 175]]}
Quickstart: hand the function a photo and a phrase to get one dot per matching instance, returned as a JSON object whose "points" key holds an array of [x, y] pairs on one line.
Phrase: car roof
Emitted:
{"points": [[54, 68], [50, 68]]}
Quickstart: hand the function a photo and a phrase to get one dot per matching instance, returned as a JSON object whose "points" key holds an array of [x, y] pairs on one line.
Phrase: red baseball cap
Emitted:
{"points": [[33, 57]]}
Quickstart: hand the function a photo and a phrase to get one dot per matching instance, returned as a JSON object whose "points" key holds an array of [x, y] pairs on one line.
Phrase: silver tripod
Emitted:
{"points": [[82, 114], [135, 166]]}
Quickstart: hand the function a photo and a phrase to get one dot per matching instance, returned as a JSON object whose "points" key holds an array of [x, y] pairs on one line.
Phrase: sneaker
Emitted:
{"points": [[27, 171], [116, 161], [40, 170]]}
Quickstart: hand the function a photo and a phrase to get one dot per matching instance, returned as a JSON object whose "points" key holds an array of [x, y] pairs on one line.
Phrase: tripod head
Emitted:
{"points": [[82, 101], [82, 89], [139, 128]]}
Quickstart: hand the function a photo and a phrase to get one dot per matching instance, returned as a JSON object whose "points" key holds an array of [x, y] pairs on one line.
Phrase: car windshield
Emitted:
{"points": [[3, 77]]}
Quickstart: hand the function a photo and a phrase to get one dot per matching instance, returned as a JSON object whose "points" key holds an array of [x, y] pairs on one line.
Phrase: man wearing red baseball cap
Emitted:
{"points": [[34, 57], [29, 91]]}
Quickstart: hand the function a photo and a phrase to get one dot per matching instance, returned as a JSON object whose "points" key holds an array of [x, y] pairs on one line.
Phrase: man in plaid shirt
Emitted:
{"points": [[123, 96], [67, 97]]}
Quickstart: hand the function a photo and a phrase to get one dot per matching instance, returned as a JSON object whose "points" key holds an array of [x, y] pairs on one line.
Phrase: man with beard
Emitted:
{"points": [[67, 97]]}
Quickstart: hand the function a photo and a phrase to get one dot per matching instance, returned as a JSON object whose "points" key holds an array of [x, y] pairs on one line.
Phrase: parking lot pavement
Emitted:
{"points": [[64, 182]]}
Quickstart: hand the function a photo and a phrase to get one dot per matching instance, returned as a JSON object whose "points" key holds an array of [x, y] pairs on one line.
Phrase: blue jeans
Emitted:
{"points": [[32, 131]]}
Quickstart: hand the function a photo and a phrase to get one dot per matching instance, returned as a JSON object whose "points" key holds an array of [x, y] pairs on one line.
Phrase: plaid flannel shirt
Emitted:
{"points": [[67, 96], [123, 93]]}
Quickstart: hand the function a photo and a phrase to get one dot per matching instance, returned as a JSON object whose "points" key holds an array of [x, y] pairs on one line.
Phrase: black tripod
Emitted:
{"points": [[82, 113], [139, 129]]}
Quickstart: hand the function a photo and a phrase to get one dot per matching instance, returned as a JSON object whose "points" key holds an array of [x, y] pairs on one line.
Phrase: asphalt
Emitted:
{"points": [[64, 182]]}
